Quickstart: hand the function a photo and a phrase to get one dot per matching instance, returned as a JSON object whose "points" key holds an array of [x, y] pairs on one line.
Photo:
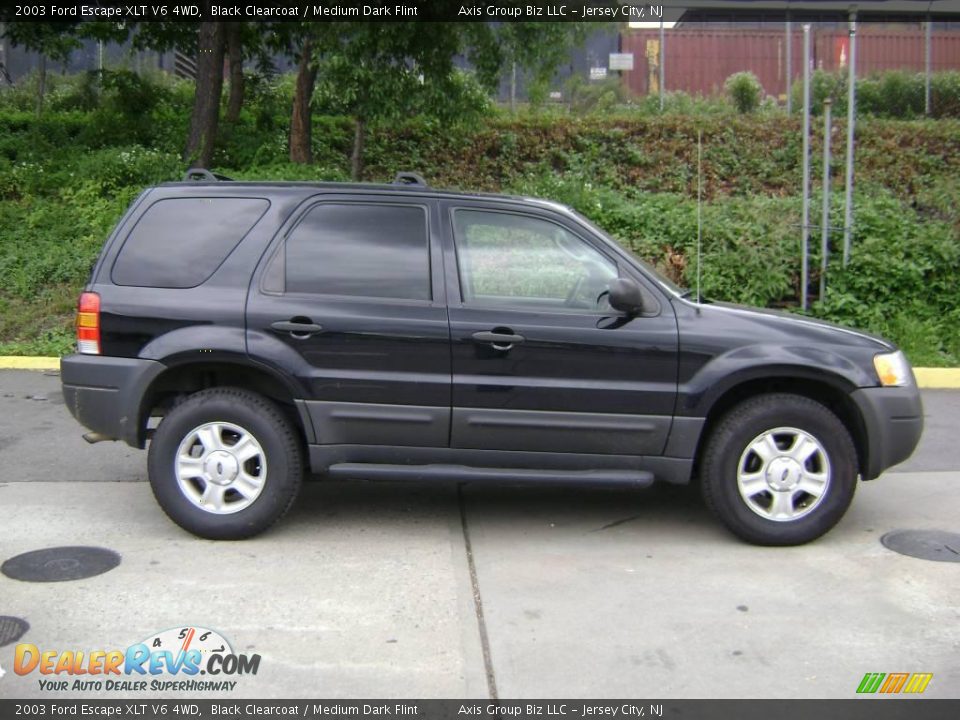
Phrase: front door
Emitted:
{"points": [[540, 360], [351, 303]]}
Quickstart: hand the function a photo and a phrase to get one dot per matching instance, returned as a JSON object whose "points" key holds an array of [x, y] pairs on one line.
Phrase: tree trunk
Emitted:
{"points": [[356, 157], [41, 82], [235, 60], [301, 120], [206, 101]]}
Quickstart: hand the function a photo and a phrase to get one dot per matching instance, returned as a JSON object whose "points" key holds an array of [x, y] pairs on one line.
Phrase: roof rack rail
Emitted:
{"points": [[198, 174], [409, 178]]}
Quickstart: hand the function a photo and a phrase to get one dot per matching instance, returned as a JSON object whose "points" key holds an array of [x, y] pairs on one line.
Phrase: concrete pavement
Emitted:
{"points": [[367, 590]]}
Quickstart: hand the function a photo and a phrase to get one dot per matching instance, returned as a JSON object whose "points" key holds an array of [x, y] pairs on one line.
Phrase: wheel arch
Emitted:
{"points": [[181, 379], [829, 394]]}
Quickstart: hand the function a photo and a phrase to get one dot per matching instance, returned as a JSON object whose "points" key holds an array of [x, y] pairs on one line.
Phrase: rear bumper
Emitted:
{"points": [[893, 418], [104, 394]]}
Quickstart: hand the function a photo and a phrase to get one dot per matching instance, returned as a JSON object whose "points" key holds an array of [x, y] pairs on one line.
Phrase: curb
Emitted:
{"points": [[18, 362], [927, 378], [938, 378]]}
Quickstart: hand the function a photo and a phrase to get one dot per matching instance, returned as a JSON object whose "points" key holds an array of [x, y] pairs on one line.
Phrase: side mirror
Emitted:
{"points": [[626, 296]]}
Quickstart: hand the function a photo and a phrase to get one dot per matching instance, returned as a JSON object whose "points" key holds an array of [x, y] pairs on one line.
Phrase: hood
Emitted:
{"points": [[795, 327]]}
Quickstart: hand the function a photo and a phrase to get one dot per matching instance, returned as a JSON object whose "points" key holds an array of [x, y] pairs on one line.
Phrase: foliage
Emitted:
{"points": [[52, 39], [745, 91], [67, 176], [891, 94], [598, 96], [901, 282]]}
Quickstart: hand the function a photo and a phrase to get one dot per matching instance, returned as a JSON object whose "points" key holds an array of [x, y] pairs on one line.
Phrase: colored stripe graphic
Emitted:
{"points": [[870, 682], [894, 682], [918, 682]]}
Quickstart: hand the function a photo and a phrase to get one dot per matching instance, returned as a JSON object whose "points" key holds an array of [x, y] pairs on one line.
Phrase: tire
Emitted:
{"points": [[779, 469], [225, 464]]}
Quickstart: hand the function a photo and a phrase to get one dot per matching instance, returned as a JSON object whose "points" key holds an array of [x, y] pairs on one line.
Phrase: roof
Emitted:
{"points": [[412, 189]]}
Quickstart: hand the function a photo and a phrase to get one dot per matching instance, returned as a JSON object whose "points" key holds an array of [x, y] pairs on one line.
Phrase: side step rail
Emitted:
{"points": [[462, 473]]}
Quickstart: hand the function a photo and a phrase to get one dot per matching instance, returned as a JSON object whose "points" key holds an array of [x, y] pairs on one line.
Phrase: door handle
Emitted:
{"points": [[299, 330], [499, 340]]}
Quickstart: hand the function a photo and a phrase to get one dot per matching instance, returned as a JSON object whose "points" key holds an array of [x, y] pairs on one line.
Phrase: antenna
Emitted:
{"points": [[699, 206]]}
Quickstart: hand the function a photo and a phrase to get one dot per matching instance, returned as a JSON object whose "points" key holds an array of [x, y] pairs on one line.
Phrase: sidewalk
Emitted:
{"points": [[365, 591], [368, 589]]}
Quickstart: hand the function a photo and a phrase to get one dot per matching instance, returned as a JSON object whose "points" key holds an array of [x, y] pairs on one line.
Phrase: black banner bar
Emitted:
{"points": [[854, 709], [347, 10], [669, 11]]}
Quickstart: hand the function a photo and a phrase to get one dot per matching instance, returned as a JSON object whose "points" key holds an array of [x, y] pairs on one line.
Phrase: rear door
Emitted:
{"points": [[350, 301], [540, 360]]}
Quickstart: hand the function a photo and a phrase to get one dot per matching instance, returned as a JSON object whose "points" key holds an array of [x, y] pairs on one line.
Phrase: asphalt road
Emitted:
{"points": [[409, 590]]}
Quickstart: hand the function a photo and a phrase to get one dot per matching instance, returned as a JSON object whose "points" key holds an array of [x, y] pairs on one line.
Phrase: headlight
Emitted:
{"points": [[893, 369]]}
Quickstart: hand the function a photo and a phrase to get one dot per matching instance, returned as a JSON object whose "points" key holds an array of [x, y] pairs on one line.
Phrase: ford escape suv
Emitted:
{"points": [[256, 331]]}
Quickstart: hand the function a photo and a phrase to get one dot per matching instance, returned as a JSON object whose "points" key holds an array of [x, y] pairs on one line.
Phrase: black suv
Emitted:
{"points": [[406, 333]]}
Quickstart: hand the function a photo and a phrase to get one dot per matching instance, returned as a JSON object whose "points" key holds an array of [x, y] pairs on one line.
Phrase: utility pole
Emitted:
{"points": [[825, 214], [663, 71], [789, 64], [928, 62], [851, 122], [805, 235]]}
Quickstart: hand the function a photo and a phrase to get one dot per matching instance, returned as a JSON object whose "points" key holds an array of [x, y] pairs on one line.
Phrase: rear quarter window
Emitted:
{"points": [[180, 242]]}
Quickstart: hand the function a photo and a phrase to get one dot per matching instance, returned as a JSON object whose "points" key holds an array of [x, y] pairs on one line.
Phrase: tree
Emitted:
{"points": [[210, 42], [301, 135], [205, 118], [298, 42], [244, 40], [374, 71], [54, 40]]}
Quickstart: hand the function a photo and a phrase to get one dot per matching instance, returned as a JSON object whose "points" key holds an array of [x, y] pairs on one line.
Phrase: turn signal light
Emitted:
{"points": [[88, 324], [893, 370]]}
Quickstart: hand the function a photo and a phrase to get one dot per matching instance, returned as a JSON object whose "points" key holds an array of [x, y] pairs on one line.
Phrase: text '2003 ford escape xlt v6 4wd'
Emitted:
{"points": [[401, 332]]}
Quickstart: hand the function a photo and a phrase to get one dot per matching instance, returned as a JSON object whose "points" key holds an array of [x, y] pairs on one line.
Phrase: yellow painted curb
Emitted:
{"points": [[944, 378], [16, 362], [930, 378]]}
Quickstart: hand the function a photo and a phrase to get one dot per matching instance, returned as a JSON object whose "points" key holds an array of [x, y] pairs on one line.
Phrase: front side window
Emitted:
{"points": [[357, 250], [519, 260]]}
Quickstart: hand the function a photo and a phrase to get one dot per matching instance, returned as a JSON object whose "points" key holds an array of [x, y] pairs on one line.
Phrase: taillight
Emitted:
{"points": [[88, 324]]}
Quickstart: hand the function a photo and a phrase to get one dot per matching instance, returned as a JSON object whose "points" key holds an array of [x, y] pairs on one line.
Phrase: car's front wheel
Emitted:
{"points": [[225, 464], [779, 469]]}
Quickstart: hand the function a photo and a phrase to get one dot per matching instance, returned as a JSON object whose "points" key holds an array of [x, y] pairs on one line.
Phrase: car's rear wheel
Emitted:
{"points": [[779, 469], [225, 464]]}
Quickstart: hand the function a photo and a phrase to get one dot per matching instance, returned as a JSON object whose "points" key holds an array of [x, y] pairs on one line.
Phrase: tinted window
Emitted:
{"points": [[179, 243], [521, 260], [363, 250]]}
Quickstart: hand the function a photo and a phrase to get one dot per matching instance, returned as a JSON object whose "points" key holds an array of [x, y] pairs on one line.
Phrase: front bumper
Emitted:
{"points": [[105, 394], [893, 419]]}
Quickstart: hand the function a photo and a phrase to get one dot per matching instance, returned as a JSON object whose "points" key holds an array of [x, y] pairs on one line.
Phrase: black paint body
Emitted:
{"points": [[406, 382]]}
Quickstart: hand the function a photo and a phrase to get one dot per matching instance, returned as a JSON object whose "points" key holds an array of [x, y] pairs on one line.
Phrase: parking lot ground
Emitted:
{"points": [[368, 590]]}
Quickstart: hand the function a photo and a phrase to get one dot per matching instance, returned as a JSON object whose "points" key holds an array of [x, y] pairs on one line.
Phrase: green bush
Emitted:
{"points": [[67, 176], [744, 90], [901, 282], [585, 96], [891, 94], [945, 94], [823, 85]]}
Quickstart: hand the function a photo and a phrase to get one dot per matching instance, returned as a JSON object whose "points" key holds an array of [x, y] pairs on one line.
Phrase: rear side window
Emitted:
{"points": [[180, 242], [357, 250]]}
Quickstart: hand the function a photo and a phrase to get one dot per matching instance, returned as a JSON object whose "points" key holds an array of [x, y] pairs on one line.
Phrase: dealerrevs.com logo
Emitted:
{"points": [[172, 660]]}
